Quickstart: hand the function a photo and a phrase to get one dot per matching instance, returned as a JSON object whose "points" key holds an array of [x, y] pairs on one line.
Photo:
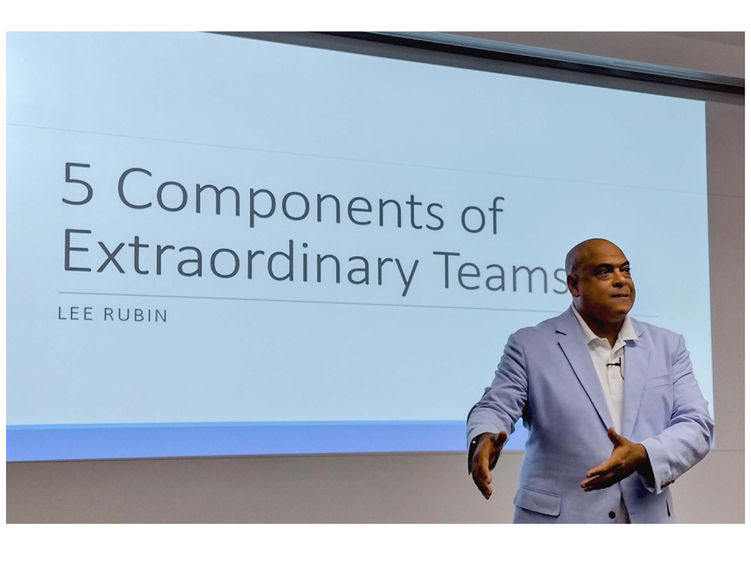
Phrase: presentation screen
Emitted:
{"points": [[228, 246]]}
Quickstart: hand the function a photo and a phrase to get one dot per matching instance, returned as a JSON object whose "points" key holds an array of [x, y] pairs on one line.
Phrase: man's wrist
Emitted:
{"points": [[645, 466], [473, 447]]}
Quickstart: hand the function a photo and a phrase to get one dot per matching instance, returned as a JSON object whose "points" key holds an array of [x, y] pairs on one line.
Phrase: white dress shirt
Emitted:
{"points": [[603, 357], [611, 376]]}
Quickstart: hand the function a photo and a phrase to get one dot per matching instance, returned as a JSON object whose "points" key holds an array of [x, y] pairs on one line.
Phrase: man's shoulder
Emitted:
{"points": [[566, 322], [644, 329], [546, 327]]}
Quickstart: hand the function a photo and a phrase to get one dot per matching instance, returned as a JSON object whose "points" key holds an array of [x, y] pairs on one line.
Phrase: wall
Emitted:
{"points": [[434, 487]]}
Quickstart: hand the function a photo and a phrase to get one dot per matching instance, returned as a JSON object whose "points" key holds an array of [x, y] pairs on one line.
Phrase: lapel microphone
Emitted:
{"points": [[618, 365]]}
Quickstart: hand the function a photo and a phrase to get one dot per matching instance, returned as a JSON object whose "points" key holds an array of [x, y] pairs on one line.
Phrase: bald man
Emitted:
{"points": [[613, 410]]}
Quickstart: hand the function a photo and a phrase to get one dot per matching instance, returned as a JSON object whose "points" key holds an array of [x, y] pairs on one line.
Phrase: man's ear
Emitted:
{"points": [[573, 284]]}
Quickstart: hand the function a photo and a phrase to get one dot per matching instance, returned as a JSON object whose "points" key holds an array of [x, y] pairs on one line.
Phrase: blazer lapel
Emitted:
{"points": [[636, 359], [572, 343]]}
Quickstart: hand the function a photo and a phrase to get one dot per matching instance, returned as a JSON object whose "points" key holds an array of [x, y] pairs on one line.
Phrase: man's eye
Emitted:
{"points": [[602, 274]]}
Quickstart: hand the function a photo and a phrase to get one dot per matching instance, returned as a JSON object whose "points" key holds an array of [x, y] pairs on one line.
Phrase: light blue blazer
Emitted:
{"points": [[546, 376]]}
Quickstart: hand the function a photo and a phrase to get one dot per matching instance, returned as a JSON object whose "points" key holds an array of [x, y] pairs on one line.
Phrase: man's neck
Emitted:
{"points": [[602, 329]]}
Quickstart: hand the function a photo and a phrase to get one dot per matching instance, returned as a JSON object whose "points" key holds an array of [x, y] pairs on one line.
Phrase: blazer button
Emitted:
{"points": [[611, 514]]}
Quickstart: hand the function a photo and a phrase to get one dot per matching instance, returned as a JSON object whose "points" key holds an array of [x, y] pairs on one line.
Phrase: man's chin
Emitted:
{"points": [[618, 315]]}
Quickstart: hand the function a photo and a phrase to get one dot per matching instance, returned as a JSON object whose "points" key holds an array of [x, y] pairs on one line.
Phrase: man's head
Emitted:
{"points": [[599, 279]]}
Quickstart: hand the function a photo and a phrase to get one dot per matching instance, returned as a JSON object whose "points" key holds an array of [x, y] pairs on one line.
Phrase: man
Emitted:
{"points": [[612, 407]]}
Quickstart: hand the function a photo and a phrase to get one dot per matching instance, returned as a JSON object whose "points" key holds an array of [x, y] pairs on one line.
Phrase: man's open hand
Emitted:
{"points": [[484, 459], [626, 458]]}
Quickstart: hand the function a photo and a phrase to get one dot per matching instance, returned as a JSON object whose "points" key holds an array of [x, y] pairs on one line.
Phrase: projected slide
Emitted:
{"points": [[224, 246]]}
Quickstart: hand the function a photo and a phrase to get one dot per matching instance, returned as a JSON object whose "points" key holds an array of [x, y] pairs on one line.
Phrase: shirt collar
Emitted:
{"points": [[627, 331]]}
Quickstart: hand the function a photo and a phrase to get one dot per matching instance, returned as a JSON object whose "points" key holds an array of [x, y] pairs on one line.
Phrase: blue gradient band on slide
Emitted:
{"points": [[111, 441]]}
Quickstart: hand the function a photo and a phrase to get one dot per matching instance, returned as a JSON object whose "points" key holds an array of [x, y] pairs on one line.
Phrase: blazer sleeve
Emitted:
{"points": [[503, 402], [688, 435]]}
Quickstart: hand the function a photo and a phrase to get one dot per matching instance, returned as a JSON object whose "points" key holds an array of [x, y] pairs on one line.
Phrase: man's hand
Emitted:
{"points": [[483, 461], [626, 458]]}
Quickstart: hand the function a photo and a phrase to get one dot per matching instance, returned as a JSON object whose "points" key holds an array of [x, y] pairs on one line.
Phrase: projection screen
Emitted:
{"points": [[219, 245]]}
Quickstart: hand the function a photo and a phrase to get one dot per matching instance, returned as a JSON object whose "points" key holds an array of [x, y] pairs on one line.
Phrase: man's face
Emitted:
{"points": [[602, 287]]}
